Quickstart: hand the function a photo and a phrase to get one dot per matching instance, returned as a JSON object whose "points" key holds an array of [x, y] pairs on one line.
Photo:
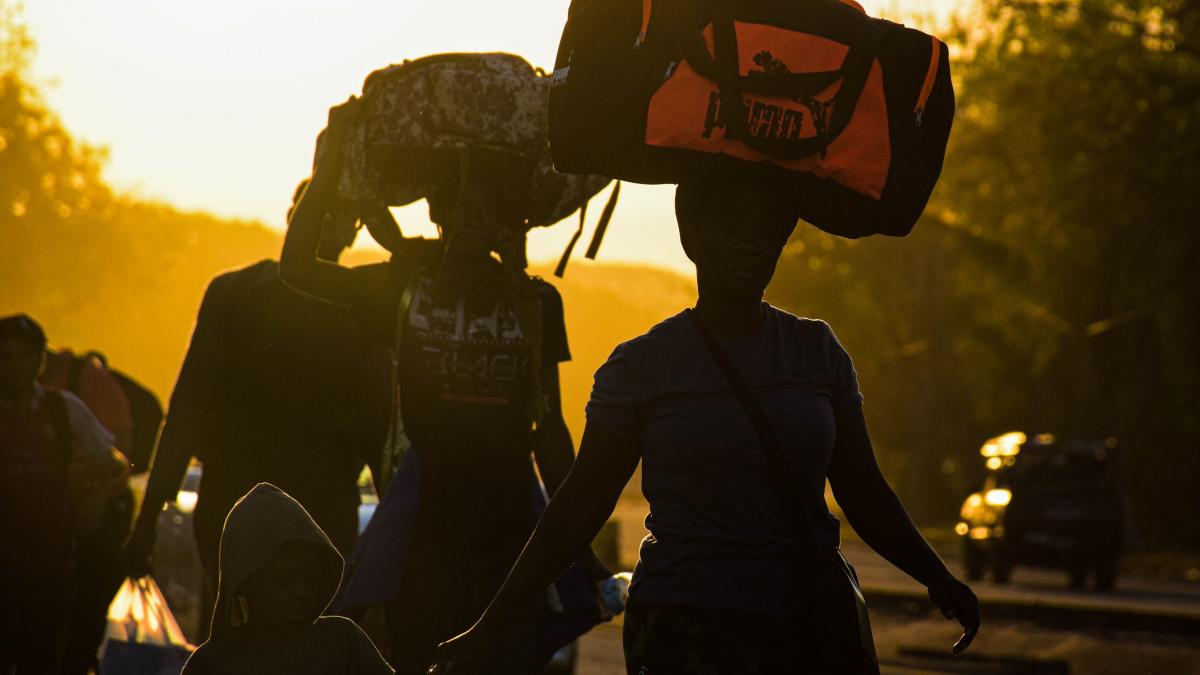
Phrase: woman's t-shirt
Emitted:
{"points": [[332, 646], [466, 381], [718, 535], [466, 372]]}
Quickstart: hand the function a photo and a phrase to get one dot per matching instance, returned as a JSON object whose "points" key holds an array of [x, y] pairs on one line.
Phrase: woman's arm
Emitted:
{"points": [[876, 514], [873, 509], [554, 451], [571, 520], [553, 447], [299, 265]]}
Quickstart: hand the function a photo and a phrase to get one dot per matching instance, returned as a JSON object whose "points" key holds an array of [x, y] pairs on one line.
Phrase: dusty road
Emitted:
{"points": [[913, 639], [910, 644]]}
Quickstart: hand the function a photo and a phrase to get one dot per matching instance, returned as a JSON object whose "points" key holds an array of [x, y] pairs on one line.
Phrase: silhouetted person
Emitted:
{"points": [[278, 574], [717, 588], [478, 379], [58, 468], [100, 567], [276, 386]]}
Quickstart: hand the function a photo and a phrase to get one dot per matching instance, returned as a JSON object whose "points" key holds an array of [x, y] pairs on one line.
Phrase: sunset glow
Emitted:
{"points": [[214, 106]]}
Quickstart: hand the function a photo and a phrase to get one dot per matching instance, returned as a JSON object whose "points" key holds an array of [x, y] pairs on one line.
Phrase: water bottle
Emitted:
{"points": [[614, 592]]}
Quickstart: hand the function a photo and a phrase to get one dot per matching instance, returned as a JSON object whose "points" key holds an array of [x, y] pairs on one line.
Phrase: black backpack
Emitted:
{"points": [[144, 407], [852, 110]]}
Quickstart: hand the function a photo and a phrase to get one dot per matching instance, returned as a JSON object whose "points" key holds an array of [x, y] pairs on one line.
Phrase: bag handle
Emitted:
{"points": [[722, 68], [693, 49], [777, 465]]}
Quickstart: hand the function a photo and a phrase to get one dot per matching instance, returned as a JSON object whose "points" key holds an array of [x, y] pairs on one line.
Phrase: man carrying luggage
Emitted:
{"points": [[478, 377], [58, 469], [100, 570]]}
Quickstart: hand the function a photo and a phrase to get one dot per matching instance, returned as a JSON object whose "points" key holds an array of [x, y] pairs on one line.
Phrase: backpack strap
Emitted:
{"points": [[398, 442], [845, 632], [777, 466], [75, 372], [527, 303]]}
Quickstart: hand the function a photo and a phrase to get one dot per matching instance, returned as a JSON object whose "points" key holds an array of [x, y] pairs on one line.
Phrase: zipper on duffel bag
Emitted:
{"points": [[930, 77], [647, 5]]}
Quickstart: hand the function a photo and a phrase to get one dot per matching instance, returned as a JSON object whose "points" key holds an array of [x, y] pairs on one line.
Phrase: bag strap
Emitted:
{"points": [[75, 373], [602, 226], [777, 466], [398, 442], [561, 268]]}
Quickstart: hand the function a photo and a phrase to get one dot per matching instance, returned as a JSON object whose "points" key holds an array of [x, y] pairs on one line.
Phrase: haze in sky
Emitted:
{"points": [[215, 105]]}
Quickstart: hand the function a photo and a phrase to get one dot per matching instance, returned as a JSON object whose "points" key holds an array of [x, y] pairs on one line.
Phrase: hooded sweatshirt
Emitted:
{"points": [[257, 525]]}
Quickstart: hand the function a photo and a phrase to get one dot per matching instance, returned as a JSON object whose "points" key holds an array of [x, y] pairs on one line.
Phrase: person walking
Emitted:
{"points": [[279, 572], [479, 392], [740, 572], [100, 567], [58, 470], [276, 387]]}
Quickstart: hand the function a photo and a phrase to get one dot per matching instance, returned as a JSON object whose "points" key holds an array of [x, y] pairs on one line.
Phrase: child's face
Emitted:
{"points": [[282, 596]]}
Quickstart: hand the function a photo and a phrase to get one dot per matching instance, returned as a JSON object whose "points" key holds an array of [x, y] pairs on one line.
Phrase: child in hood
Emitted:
{"points": [[278, 573]]}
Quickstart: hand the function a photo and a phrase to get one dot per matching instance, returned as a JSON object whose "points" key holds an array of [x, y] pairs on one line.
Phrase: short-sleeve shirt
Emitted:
{"points": [[466, 381], [718, 535], [466, 375]]}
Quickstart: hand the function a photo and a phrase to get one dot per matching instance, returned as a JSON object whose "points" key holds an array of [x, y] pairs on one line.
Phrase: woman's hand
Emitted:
{"points": [[461, 655], [329, 149], [957, 601]]}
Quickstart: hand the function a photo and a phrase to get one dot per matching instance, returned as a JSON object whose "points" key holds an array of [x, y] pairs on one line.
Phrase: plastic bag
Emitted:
{"points": [[143, 637]]}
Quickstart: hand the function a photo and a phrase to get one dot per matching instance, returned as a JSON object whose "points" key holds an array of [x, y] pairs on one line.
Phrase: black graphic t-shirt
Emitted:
{"points": [[466, 374]]}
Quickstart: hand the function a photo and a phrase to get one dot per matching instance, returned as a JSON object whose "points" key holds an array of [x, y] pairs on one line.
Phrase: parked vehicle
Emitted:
{"points": [[1045, 503]]}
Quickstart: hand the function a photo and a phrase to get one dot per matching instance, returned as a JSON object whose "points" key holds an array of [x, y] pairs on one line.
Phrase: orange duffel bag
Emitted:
{"points": [[856, 110]]}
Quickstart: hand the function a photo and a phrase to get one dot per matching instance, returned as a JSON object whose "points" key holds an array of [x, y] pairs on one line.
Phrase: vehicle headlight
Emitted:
{"points": [[968, 508], [186, 500], [998, 497]]}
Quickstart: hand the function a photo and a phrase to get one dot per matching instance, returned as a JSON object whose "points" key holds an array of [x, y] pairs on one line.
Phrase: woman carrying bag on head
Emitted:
{"points": [[739, 412], [477, 343]]}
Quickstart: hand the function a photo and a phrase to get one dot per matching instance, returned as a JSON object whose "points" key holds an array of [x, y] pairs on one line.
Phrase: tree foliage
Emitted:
{"points": [[1052, 284], [98, 269]]}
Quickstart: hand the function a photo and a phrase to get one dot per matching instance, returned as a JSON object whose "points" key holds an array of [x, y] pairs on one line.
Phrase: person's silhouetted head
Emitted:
{"points": [[483, 212], [734, 230], [22, 354], [283, 597], [338, 230]]}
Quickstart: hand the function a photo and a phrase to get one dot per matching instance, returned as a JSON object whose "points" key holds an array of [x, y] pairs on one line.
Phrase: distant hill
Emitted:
{"points": [[131, 286]]}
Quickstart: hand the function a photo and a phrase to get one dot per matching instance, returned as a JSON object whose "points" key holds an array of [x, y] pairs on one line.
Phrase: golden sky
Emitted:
{"points": [[214, 105]]}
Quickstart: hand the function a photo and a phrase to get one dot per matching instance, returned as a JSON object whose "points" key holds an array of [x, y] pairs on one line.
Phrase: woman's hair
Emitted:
{"points": [[693, 198], [689, 203]]}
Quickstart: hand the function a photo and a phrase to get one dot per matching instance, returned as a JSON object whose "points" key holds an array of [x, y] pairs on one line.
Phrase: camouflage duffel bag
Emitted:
{"points": [[418, 119]]}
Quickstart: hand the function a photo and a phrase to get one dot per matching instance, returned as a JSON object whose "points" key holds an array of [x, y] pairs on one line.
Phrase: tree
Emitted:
{"points": [[1051, 285], [98, 269]]}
